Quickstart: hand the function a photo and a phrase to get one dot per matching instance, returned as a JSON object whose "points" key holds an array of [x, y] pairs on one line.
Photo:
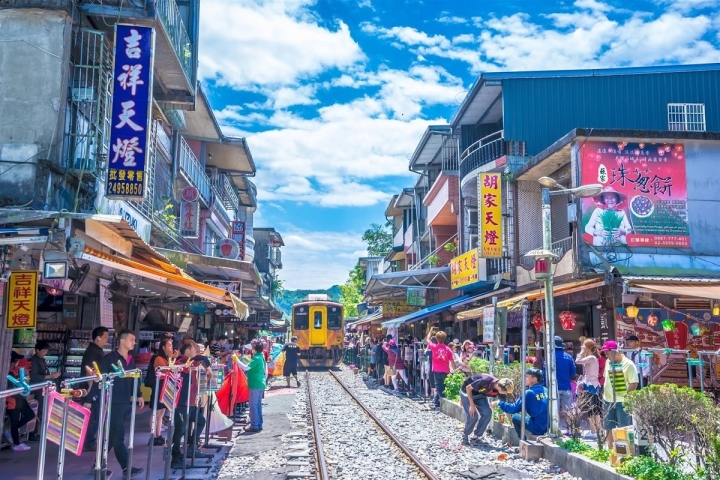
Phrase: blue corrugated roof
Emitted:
{"points": [[602, 71]]}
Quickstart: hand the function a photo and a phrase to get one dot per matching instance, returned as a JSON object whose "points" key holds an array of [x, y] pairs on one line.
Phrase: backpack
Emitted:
{"points": [[150, 377]]}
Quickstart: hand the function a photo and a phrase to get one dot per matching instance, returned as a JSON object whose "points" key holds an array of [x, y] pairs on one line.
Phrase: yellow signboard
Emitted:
{"points": [[396, 308], [21, 300], [464, 270], [490, 218]]}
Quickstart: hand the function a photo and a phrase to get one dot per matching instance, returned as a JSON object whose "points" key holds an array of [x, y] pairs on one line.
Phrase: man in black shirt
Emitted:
{"points": [[122, 396], [474, 395], [292, 350], [93, 353]]}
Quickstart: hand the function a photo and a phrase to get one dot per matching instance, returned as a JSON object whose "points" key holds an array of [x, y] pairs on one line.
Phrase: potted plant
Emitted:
{"points": [[450, 247], [434, 260]]}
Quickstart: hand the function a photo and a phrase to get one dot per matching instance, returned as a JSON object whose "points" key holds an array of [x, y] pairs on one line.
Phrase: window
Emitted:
{"points": [[300, 318], [686, 117], [317, 319], [334, 318]]}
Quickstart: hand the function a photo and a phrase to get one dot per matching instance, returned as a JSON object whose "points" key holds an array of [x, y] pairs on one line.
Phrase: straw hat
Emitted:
{"points": [[621, 198]]}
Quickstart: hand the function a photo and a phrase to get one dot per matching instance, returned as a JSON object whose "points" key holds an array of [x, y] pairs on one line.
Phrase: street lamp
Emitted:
{"points": [[543, 271]]}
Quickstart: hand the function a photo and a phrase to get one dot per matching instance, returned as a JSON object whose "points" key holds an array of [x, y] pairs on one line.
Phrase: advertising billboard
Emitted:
{"points": [[644, 197], [490, 219]]}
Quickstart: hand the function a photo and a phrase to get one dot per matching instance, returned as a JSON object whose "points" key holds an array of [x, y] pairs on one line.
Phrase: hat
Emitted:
{"points": [[456, 341], [14, 356], [506, 384], [391, 343], [620, 198], [559, 342], [535, 372], [632, 338], [609, 345]]}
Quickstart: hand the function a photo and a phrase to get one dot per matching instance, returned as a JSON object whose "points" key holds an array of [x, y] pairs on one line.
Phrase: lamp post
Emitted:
{"points": [[543, 271]]}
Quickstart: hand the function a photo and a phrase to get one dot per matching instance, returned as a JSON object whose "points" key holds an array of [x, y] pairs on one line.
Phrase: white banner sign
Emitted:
{"points": [[488, 324]]}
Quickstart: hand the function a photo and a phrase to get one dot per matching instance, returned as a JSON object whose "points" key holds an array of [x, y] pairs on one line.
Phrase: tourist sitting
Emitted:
{"points": [[536, 405]]}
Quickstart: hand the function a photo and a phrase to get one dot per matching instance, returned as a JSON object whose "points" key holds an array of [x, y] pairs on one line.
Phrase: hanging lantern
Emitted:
{"points": [[668, 325], [632, 311], [696, 329], [652, 319], [716, 310], [568, 319], [538, 321]]}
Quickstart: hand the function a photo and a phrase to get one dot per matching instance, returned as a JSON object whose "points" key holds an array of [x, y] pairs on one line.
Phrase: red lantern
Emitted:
{"points": [[652, 319], [568, 319], [537, 321]]}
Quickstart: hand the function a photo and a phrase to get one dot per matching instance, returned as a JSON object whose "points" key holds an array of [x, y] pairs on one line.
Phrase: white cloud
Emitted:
{"points": [[249, 43], [451, 19], [686, 6], [318, 259]]}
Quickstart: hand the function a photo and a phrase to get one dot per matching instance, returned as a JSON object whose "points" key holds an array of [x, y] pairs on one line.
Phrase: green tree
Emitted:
{"points": [[379, 239], [351, 292]]}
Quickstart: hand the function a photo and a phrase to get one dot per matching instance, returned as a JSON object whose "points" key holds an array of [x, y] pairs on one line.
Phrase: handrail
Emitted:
{"points": [[418, 265], [190, 164], [479, 143], [169, 15]]}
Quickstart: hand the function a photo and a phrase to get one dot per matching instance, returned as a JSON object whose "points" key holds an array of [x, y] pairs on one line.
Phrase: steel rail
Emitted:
{"points": [[319, 453], [419, 463]]}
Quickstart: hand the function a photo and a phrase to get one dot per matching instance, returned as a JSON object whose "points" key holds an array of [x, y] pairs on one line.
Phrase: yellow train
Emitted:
{"points": [[319, 324]]}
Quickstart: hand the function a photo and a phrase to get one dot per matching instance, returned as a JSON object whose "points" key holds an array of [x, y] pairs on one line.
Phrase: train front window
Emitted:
{"points": [[334, 318], [301, 318], [318, 319]]}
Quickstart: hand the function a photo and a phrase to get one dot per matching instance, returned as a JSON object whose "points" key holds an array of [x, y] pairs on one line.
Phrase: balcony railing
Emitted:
{"points": [[224, 191], [190, 165], [559, 248], [169, 15], [482, 152], [399, 239], [498, 266], [449, 155]]}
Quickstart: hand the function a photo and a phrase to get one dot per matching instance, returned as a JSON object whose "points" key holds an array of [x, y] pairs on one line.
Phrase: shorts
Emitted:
{"points": [[289, 370], [565, 400], [615, 416]]}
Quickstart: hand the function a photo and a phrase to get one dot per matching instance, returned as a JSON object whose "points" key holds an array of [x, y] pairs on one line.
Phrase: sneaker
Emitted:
{"points": [[465, 440], [8, 435], [134, 472], [159, 441], [33, 437], [479, 441], [198, 454], [20, 448], [89, 447]]}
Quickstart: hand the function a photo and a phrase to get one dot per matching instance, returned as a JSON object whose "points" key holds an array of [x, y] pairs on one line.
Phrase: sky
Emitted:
{"points": [[334, 95]]}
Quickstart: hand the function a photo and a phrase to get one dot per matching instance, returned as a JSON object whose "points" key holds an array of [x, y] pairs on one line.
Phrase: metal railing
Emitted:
{"points": [[482, 152], [190, 165], [434, 252], [559, 248], [449, 154], [497, 266], [224, 191], [169, 15]]}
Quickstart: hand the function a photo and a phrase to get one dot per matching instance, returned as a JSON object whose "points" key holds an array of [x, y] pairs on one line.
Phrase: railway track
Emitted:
{"points": [[355, 458]]}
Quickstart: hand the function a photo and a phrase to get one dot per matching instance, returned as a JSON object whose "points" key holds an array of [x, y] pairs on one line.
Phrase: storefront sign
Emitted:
{"points": [[228, 248], [190, 219], [190, 194], [131, 112], [238, 234], [416, 296], [128, 213], [106, 306], [396, 308], [490, 218], [488, 324], [465, 269], [232, 287], [22, 299], [644, 200]]}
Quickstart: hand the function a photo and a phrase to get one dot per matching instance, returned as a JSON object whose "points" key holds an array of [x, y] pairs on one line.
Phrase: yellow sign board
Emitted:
{"points": [[396, 308], [490, 218], [464, 270], [21, 300]]}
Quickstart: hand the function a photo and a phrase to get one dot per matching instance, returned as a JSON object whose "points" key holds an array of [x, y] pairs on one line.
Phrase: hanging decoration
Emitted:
{"points": [[537, 321], [568, 319], [668, 325], [652, 320], [632, 311], [696, 329]]}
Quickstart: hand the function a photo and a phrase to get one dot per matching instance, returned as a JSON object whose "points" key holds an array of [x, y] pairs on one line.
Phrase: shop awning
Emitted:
{"points": [[365, 320], [514, 303], [166, 274], [425, 312], [388, 286], [214, 268], [473, 313], [698, 288]]}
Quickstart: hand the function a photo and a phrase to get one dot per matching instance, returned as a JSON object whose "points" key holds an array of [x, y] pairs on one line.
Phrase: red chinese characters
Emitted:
{"points": [[490, 193], [22, 301]]}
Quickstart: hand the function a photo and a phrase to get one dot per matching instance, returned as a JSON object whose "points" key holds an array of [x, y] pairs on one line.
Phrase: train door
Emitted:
{"points": [[318, 321]]}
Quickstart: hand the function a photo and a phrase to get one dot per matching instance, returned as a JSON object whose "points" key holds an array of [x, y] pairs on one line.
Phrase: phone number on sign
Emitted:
{"points": [[125, 188]]}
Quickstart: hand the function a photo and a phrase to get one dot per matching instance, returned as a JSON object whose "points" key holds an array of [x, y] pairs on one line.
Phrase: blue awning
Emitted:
{"points": [[432, 309]]}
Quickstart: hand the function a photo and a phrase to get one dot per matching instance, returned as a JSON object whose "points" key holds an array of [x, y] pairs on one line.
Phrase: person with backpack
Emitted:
{"points": [[160, 359]]}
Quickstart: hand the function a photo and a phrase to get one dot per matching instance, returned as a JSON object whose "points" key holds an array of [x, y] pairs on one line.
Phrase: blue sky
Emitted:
{"points": [[333, 95]]}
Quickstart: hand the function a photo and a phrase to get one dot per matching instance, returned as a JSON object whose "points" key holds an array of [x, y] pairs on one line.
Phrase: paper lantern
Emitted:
{"points": [[668, 325], [652, 319], [568, 319], [538, 321], [632, 311], [716, 310]]}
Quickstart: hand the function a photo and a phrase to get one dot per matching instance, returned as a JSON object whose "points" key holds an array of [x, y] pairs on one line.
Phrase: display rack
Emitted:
{"points": [[53, 333]]}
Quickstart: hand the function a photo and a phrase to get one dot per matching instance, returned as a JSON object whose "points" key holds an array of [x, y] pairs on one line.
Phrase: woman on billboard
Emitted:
{"points": [[609, 223]]}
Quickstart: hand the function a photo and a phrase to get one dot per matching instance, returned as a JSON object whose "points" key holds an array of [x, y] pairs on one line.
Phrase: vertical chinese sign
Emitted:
{"points": [[238, 234], [21, 300], [644, 198], [490, 218], [190, 213], [131, 112]]}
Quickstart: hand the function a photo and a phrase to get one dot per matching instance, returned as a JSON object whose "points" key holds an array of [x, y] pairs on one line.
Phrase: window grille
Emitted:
{"points": [[686, 117]]}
